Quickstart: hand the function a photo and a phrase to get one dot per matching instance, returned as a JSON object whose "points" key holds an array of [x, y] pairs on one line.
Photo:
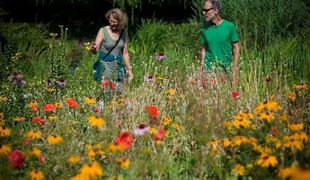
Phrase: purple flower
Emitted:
{"points": [[141, 130], [19, 82], [50, 82], [160, 56], [61, 83]]}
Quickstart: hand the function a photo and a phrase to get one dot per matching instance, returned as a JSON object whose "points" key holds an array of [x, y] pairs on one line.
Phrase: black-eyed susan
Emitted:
{"points": [[296, 126], [92, 170], [20, 119], [266, 116], [177, 126], [227, 142], [301, 86], [260, 107], [115, 178], [171, 91], [124, 163], [292, 142], [301, 136], [153, 130], [3, 99], [90, 100], [96, 121], [292, 96], [238, 170], [74, 159], [54, 139], [59, 105], [273, 106], [113, 147], [52, 117], [34, 134], [34, 152], [36, 175], [4, 131], [5, 149], [266, 160]]}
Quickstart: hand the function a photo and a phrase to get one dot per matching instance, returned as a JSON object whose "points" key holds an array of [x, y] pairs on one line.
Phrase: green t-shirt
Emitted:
{"points": [[218, 41]]}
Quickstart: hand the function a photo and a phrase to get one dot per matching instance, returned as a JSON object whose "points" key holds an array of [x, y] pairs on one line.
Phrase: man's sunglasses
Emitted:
{"points": [[207, 10]]}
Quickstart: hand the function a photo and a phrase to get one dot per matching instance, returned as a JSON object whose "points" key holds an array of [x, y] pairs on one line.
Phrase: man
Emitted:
{"points": [[219, 39]]}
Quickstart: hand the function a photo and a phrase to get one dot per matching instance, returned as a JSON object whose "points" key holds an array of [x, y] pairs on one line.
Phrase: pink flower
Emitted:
{"points": [[16, 159]]}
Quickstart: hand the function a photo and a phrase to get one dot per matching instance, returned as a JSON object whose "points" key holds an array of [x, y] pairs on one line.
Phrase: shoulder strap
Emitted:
{"points": [[119, 38]]}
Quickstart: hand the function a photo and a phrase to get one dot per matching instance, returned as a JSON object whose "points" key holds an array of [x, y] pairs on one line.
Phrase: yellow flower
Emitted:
{"points": [[275, 141], [90, 100], [273, 106], [3, 99], [166, 120], [74, 159], [238, 170], [115, 178], [260, 107], [34, 134], [19, 119], [34, 152], [296, 126], [124, 163], [301, 136], [52, 117], [268, 116], [54, 139], [227, 142], [51, 89], [96, 121], [177, 126], [5, 149], [266, 160], [301, 86], [92, 171], [283, 117], [171, 91], [93, 152], [292, 96], [36, 175], [59, 105], [153, 130], [115, 147], [242, 122], [33, 103], [4, 132], [1, 115], [294, 173], [291, 142]]}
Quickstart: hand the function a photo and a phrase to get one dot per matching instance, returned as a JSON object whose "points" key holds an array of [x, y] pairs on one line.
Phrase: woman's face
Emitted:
{"points": [[113, 23]]}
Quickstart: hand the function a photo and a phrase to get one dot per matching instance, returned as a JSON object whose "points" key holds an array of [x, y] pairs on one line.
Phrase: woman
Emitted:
{"points": [[114, 38]]}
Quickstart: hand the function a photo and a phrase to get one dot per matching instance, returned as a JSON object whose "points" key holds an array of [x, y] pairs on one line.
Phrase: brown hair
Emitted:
{"points": [[119, 15]]}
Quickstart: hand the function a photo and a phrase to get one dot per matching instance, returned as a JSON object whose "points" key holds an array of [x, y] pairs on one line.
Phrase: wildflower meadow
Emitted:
{"points": [[171, 121]]}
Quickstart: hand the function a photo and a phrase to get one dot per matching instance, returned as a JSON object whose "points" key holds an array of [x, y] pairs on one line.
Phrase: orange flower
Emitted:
{"points": [[72, 103], [152, 110], [49, 107], [125, 139]]}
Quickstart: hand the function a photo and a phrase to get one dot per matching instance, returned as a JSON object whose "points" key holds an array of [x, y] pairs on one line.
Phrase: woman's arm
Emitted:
{"points": [[99, 38], [127, 58]]}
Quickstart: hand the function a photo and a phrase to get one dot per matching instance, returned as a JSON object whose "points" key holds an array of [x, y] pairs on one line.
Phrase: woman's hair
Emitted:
{"points": [[119, 15]]}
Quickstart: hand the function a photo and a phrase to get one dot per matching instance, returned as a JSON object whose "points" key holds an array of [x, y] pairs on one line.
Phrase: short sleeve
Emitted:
{"points": [[202, 39], [234, 34]]}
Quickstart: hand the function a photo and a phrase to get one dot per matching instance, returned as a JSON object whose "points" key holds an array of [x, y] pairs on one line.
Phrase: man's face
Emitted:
{"points": [[208, 11]]}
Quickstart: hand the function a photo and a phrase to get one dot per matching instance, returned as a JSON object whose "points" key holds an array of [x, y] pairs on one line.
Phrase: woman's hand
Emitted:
{"points": [[93, 48], [130, 74]]}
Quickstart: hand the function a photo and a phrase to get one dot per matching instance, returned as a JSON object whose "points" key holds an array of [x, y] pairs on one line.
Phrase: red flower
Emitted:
{"points": [[49, 107], [152, 110], [41, 159], [17, 159], [107, 83], [27, 140], [38, 120], [125, 139], [161, 134], [72, 103], [235, 94]]}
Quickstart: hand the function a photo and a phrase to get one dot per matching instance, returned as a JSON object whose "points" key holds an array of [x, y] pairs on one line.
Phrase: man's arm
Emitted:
{"points": [[236, 57]]}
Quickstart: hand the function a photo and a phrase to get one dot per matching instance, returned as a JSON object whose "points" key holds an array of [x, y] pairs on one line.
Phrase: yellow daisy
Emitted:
{"points": [[34, 152], [265, 160], [54, 139], [90, 100], [96, 121], [268, 116], [36, 175], [20, 119], [166, 120], [74, 159], [4, 132], [5, 149], [124, 163], [238, 170], [296, 126], [34, 134], [92, 170], [52, 117]]}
